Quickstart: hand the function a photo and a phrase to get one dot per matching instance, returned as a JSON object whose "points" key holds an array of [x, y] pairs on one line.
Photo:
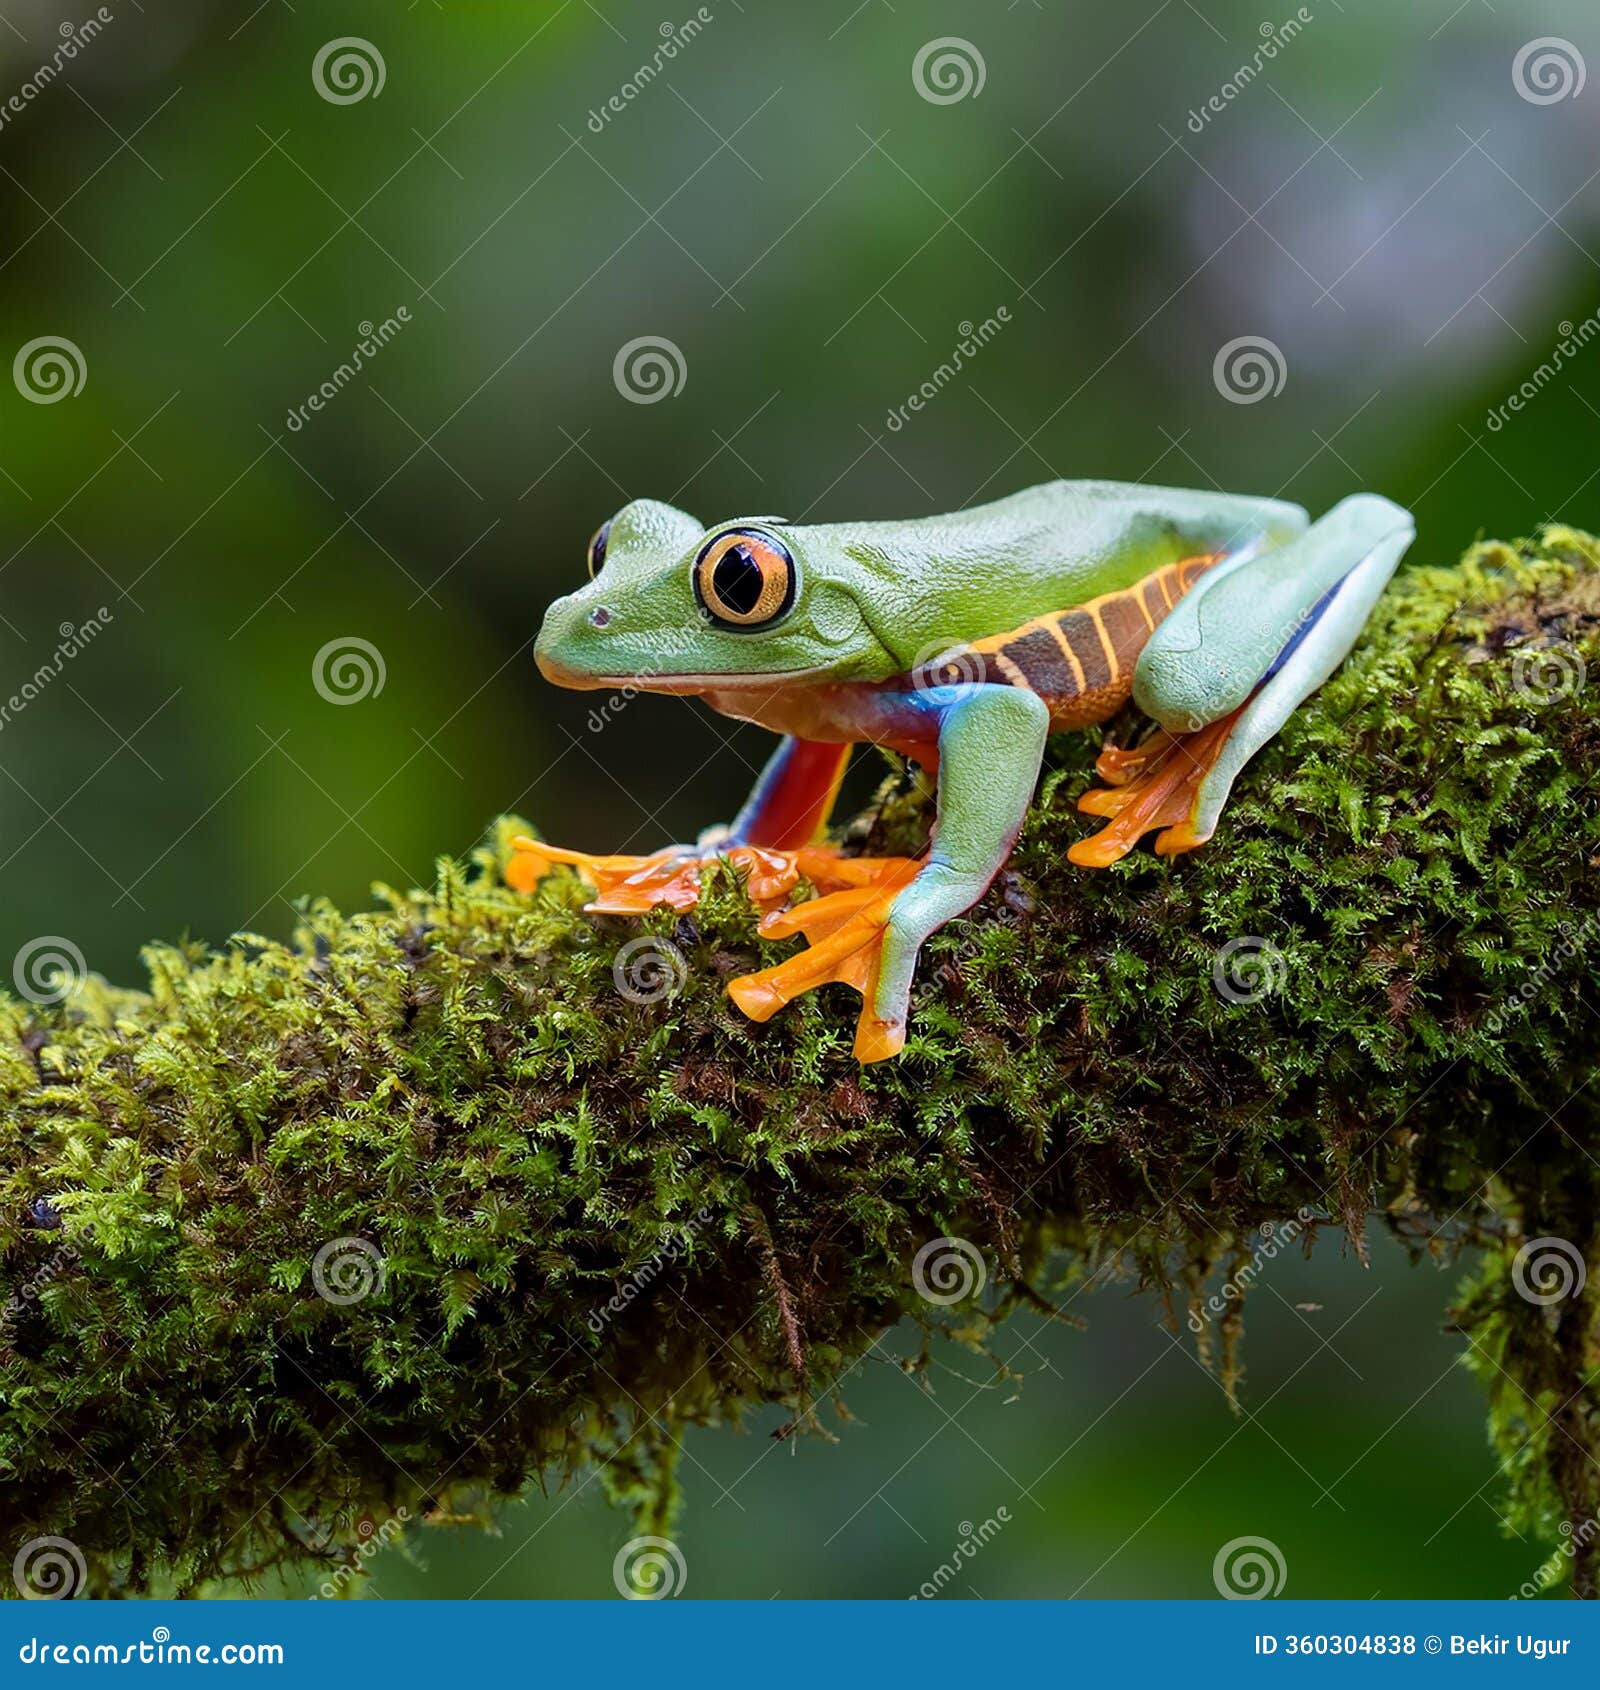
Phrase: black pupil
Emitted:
{"points": [[597, 552], [737, 580]]}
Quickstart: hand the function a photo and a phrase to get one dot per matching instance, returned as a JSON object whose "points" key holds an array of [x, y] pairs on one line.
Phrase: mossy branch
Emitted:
{"points": [[417, 1208]]}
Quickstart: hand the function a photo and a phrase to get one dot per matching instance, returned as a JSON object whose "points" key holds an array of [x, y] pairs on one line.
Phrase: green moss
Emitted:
{"points": [[599, 1221]]}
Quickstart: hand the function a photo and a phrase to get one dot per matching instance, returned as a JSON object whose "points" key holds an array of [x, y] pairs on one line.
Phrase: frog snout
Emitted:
{"points": [[573, 628]]}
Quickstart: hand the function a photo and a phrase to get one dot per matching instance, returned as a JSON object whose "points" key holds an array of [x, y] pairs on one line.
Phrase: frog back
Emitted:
{"points": [[1056, 588]]}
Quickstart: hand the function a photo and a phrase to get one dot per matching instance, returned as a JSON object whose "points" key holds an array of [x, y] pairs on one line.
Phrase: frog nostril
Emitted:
{"points": [[599, 617]]}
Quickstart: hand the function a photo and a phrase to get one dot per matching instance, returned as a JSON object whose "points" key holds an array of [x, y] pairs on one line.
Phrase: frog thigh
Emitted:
{"points": [[1179, 780], [1206, 658], [1316, 649]]}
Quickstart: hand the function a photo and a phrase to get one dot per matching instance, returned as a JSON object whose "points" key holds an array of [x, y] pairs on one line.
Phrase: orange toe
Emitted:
{"points": [[844, 930], [1154, 787], [629, 885], [843, 925]]}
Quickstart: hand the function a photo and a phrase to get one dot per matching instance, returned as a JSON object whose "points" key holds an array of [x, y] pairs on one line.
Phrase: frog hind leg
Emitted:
{"points": [[990, 741], [1228, 668]]}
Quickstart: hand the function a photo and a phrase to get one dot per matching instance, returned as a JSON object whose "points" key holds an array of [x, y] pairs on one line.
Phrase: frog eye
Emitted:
{"points": [[597, 548], [744, 579]]}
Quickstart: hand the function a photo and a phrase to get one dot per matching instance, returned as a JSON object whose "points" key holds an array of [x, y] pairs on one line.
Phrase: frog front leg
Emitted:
{"points": [[988, 742], [787, 810], [792, 799], [1229, 666]]}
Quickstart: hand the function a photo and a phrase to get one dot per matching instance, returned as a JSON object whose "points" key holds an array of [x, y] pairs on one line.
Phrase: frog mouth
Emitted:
{"points": [[645, 680]]}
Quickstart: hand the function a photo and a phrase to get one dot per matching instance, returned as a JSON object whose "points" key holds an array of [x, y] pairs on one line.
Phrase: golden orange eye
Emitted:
{"points": [[597, 548], [744, 579]]}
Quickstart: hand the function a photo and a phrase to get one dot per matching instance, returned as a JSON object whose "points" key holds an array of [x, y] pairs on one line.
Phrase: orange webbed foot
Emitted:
{"points": [[844, 930], [628, 885], [843, 925], [1154, 786]]}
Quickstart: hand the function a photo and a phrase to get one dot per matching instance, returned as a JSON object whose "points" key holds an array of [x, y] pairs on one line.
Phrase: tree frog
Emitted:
{"points": [[962, 641]]}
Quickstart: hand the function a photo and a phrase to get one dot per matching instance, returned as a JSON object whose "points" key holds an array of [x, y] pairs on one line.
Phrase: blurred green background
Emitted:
{"points": [[783, 205]]}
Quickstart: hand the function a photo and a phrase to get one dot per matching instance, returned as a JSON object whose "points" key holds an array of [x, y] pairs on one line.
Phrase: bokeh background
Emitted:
{"points": [[1384, 204]]}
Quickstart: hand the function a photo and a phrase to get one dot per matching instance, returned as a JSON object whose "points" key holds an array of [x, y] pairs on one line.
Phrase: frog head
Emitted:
{"points": [[673, 606]]}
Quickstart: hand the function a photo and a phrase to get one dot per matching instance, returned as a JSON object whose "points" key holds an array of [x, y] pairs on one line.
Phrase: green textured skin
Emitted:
{"points": [[874, 600], [875, 596]]}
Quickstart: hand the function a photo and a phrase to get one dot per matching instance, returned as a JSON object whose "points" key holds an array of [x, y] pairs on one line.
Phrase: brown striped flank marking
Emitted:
{"points": [[1079, 661]]}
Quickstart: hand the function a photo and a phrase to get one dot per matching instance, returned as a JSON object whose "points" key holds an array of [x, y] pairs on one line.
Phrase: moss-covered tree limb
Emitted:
{"points": [[583, 1222]]}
